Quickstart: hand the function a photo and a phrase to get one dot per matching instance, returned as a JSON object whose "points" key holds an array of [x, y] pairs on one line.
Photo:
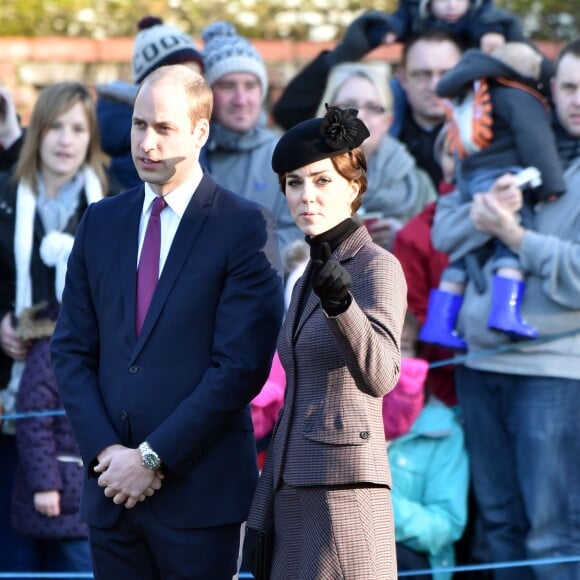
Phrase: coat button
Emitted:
{"points": [[364, 434], [307, 428], [124, 415], [134, 370]]}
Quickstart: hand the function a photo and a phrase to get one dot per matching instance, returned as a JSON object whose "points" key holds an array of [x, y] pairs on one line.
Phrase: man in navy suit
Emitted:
{"points": [[160, 406]]}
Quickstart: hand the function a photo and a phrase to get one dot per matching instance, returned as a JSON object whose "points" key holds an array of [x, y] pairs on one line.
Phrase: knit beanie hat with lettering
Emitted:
{"points": [[225, 52], [158, 44]]}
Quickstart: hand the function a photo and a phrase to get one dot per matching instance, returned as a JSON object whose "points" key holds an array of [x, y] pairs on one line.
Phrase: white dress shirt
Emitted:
{"points": [[177, 201]]}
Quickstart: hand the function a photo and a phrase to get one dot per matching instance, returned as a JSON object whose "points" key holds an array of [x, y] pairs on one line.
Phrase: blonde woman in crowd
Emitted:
{"points": [[397, 188], [59, 171]]}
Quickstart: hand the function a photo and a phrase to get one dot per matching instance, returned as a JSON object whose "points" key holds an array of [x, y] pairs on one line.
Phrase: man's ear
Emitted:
{"points": [[201, 132]]}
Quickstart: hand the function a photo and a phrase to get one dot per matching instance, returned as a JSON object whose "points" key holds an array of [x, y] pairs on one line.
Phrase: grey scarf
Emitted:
{"points": [[394, 187]]}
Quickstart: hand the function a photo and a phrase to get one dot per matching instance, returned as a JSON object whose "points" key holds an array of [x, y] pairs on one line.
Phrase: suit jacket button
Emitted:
{"points": [[124, 415], [134, 369], [364, 434], [307, 428]]}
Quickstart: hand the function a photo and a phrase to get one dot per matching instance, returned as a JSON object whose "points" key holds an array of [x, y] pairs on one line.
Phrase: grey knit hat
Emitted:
{"points": [[226, 52], [158, 44]]}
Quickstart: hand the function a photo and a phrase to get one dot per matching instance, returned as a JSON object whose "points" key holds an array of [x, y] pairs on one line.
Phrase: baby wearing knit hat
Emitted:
{"points": [[226, 52]]}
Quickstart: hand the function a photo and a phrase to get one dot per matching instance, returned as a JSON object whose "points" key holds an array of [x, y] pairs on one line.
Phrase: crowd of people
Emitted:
{"points": [[250, 327]]}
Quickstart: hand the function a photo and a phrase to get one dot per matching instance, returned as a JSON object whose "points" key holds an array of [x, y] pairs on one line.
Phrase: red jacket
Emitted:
{"points": [[423, 265]]}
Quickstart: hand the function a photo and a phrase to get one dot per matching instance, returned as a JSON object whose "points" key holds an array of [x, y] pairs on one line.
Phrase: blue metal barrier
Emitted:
{"points": [[406, 574], [459, 359]]}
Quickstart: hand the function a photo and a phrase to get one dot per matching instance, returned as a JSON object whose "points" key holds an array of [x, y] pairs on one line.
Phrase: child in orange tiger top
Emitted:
{"points": [[500, 123]]}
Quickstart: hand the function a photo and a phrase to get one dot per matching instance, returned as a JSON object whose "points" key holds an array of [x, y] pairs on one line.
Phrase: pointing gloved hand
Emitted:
{"points": [[331, 283]]}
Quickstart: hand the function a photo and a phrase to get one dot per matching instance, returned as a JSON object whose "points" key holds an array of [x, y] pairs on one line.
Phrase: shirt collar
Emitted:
{"points": [[179, 198]]}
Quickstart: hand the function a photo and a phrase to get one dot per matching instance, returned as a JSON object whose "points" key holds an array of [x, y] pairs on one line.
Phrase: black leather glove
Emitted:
{"points": [[331, 283], [360, 37]]}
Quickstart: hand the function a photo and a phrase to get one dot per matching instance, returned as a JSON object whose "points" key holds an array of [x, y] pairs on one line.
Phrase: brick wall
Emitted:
{"points": [[28, 64]]}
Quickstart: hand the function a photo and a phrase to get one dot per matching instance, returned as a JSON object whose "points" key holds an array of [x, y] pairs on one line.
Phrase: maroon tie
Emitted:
{"points": [[148, 269]]}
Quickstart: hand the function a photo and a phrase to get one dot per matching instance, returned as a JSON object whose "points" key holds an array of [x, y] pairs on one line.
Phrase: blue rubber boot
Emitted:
{"points": [[439, 327], [505, 314]]}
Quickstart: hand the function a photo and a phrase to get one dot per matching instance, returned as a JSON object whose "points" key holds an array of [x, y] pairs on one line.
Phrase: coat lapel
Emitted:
{"points": [[312, 302], [129, 219], [185, 237], [343, 253]]}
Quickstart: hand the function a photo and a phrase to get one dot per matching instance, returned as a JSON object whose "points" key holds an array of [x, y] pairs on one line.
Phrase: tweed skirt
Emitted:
{"points": [[334, 532]]}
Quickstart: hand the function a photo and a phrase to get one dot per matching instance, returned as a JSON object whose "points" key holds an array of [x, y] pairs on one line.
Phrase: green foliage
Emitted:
{"points": [[292, 19], [547, 19]]}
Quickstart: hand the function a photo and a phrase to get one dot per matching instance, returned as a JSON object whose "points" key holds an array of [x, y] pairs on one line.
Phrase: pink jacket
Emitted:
{"points": [[266, 406], [402, 405]]}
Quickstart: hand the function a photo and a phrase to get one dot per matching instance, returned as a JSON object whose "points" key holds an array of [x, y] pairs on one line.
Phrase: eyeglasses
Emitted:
{"points": [[425, 75], [373, 109]]}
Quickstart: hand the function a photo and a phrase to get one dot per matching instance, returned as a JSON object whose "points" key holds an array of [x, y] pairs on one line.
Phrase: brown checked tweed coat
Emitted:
{"points": [[330, 431]]}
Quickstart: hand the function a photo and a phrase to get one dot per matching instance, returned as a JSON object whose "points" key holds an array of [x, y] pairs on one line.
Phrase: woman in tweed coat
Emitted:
{"points": [[325, 487]]}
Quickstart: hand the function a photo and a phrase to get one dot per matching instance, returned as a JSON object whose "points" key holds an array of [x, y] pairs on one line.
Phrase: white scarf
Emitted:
{"points": [[54, 253]]}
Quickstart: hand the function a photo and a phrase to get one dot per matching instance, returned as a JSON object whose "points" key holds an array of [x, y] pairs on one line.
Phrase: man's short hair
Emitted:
{"points": [[572, 48], [431, 35]]}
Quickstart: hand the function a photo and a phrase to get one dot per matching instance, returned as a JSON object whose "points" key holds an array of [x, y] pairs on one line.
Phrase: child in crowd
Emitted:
{"points": [[429, 466], [423, 265], [49, 473], [474, 23], [507, 95], [265, 407]]}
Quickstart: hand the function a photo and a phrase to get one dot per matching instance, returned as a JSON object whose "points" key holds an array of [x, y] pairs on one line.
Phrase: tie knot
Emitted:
{"points": [[158, 205]]}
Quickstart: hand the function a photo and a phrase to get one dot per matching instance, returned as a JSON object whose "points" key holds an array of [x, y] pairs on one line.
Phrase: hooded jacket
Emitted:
{"points": [[516, 141], [429, 467], [114, 116], [241, 162]]}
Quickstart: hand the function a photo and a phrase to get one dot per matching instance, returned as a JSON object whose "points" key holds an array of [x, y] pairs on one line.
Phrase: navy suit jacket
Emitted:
{"points": [[204, 351]]}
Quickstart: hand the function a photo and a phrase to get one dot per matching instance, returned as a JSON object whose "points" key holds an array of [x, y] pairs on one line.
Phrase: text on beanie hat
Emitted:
{"points": [[158, 44]]}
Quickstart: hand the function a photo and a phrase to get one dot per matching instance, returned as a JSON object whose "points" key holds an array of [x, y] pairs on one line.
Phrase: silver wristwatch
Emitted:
{"points": [[149, 458]]}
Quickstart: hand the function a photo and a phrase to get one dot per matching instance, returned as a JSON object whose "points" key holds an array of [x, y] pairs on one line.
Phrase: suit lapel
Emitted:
{"points": [[185, 237], [130, 216]]}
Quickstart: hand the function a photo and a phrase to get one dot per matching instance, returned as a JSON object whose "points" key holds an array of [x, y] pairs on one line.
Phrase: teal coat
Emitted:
{"points": [[429, 470]]}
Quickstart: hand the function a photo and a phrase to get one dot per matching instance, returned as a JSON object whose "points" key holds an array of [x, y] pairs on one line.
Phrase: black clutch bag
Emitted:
{"points": [[264, 550]]}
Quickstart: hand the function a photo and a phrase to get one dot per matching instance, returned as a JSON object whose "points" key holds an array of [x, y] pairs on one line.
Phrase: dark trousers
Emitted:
{"points": [[141, 546]]}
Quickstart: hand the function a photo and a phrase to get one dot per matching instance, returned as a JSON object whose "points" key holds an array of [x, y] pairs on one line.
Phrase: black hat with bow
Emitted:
{"points": [[339, 131]]}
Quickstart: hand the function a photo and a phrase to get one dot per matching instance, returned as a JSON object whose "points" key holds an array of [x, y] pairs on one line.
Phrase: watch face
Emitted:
{"points": [[150, 458], [151, 461]]}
